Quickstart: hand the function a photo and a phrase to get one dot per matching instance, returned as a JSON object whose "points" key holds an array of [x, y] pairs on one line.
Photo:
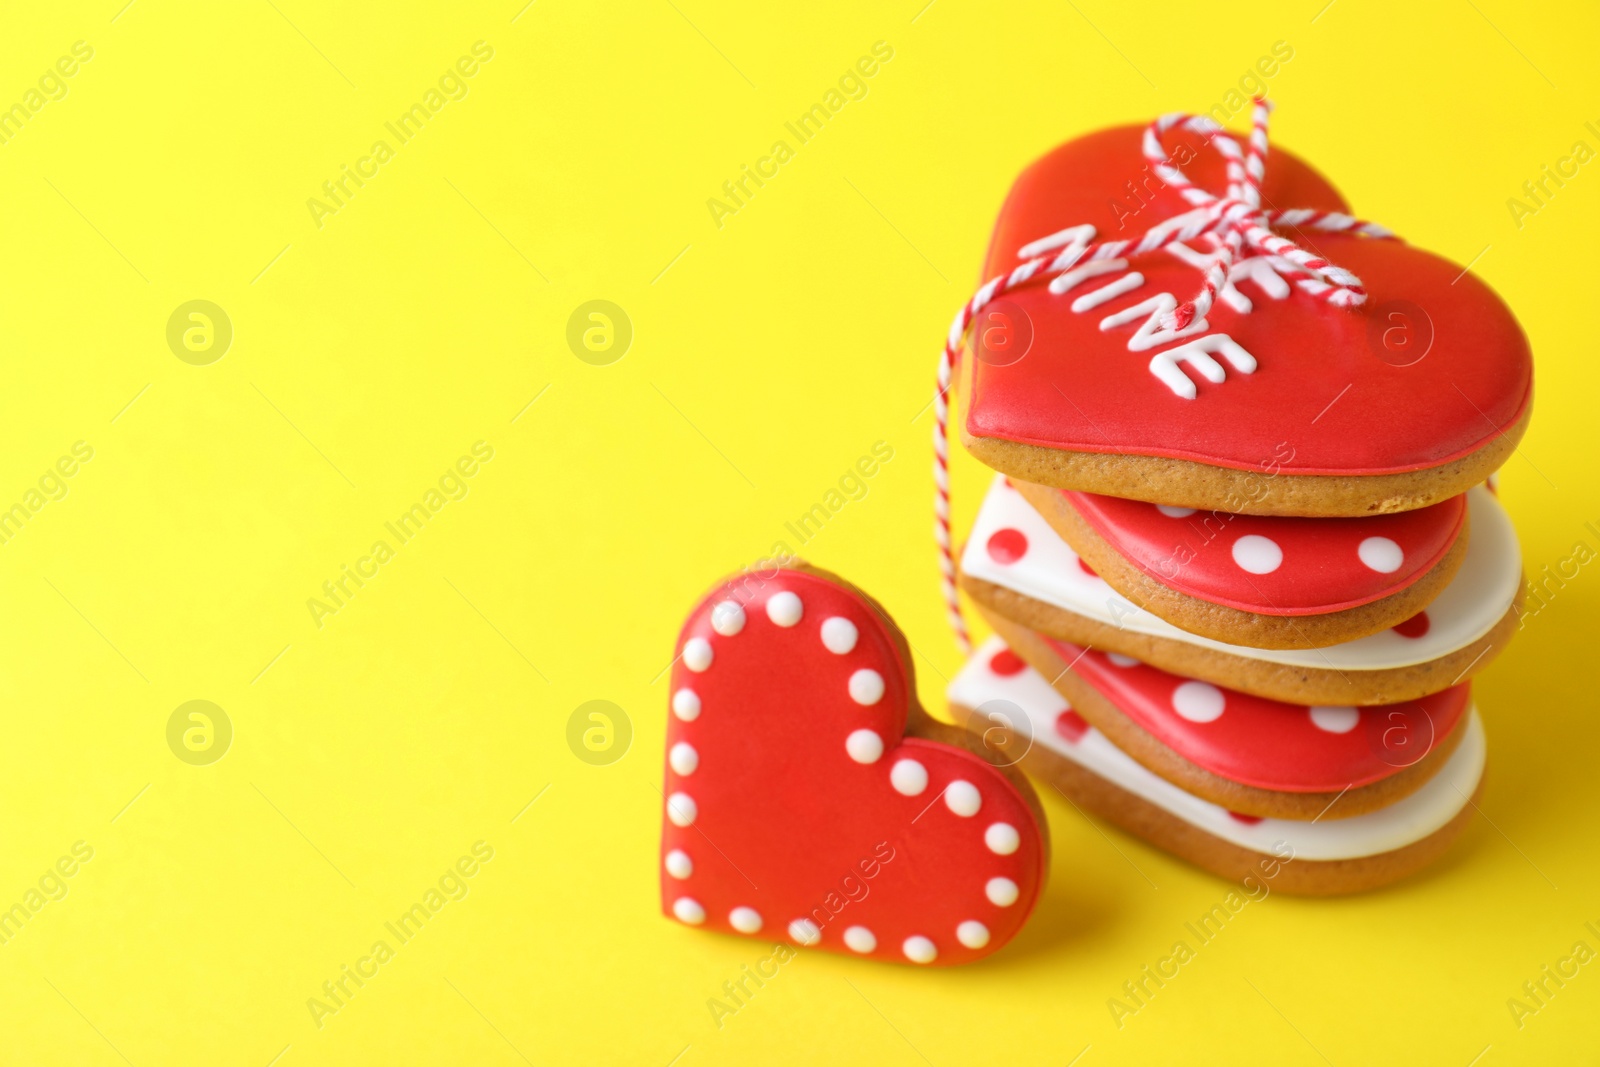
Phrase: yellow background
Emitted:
{"points": [[368, 354]]}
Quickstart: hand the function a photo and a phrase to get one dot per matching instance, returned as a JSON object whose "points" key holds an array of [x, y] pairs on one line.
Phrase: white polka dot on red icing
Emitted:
{"points": [[745, 920], [860, 939], [679, 865], [866, 686], [972, 933], [839, 635], [683, 758], [1198, 701], [1002, 838], [1119, 660], [1257, 554], [1172, 511], [963, 798], [864, 746], [681, 809], [1381, 554], [686, 705], [908, 777], [689, 910], [1002, 892], [727, 618], [784, 608], [1335, 720], [805, 932], [697, 654], [919, 949]]}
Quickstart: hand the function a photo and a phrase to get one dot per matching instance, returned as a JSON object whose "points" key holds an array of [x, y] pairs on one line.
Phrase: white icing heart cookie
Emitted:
{"points": [[1016, 565]]}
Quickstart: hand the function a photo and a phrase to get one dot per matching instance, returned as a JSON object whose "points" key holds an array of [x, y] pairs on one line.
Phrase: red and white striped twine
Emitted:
{"points": [[1234, 223]]}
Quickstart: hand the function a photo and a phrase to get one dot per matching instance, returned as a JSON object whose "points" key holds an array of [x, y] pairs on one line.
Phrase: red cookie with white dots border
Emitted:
{"points": [[1263, 581], [810, 799], [1274, 402], [1250, 755]]}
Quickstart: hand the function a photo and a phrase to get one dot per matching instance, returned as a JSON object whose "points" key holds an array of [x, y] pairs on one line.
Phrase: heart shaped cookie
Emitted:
{"points": [[1263, 580], [810, 799], [1017, 566], [1249, 754], [1275, 400], [1300, 855]]}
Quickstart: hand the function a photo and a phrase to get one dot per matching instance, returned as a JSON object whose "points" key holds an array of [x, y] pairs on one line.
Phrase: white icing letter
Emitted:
{"points": [[1197, 354], [1152, 333]]}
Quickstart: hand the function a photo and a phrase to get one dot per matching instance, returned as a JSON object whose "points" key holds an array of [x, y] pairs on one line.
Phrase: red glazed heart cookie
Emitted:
{"points": [[1316, 857], [1265, 581], [1274, 565], [1249, 754], [1283, 391], [808, 798], [1017, 566], [1266, 743]]}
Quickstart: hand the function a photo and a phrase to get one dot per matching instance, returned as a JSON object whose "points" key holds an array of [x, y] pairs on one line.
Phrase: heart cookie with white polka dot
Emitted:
{"points": [[1251, 755], [1258, 580], [810, 799]]}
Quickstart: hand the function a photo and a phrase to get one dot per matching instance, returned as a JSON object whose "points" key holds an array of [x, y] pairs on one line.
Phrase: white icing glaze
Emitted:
{"points": [[1476, 598], [727, 618], [683, 758], [1198, 701], [1267, 272], [1001, 837], [697, 654], [1257, 554], [1381, 554], [686, 705], [864, 746], [682, 809], [1095, 297], [1150, 332], [866, 686], [908, 777], [784, 608], [1197, 354], [1407, 820], [1093, 269], [839, 635], [963, 798], [860, 939], [1002, 892], [1335, 720], [972, 933]]}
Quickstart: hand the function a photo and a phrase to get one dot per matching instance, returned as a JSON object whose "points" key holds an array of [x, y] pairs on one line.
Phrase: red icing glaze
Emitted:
{"points": [[1085, 568], [1248, 820], [1416, 626], [1326, 397], [1323, 565], [1266, 743], [780, 804], [1006, 663], [1071, 725], [1007, 546]]}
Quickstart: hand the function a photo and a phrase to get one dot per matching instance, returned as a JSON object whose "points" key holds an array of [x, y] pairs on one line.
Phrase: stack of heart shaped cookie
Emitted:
{"points": [[1242, 553]]}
